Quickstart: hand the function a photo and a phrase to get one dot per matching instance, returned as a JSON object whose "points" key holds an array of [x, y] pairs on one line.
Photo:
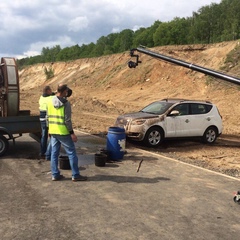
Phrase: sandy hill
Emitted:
{"points": [[105, 87]]}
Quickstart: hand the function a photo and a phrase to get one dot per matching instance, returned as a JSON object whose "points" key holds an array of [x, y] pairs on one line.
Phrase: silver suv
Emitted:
{"points": [[172, 118]]}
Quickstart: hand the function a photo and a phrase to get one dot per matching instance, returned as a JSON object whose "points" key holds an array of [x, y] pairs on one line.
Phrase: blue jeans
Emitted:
{"points": [[49, 151], [44, 137], [68, 145]]}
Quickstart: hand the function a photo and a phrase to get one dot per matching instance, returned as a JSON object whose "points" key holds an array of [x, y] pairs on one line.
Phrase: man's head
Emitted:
{"points": [[47, 90], [64, 90]]}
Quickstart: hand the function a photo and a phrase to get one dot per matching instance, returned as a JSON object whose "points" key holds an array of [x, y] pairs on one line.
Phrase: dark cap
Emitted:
{"points": [[69, 93]]}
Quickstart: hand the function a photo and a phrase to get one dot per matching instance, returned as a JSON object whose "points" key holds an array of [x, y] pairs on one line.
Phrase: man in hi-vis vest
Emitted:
{"points": [[60, 128], [44, 98]]}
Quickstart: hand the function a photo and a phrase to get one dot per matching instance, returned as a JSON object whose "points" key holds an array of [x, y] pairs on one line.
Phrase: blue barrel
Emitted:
{"points": [[116, 141]]}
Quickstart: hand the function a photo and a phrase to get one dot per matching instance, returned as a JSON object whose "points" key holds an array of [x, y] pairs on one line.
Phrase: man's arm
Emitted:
{"points": [[68, 121]]}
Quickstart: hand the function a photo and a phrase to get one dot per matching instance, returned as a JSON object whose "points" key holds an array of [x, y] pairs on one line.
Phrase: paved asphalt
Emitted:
{"points": [[165, 199]]}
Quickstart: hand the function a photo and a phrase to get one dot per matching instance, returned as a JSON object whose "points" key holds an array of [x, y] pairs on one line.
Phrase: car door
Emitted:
{"points": [[178, 125], [198, 119]]}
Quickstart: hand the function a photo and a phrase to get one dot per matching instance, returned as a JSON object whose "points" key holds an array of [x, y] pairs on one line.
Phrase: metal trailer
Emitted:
{"points": [[13, 122]]}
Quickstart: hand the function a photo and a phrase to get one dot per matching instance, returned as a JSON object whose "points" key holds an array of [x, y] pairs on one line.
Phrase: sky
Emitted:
{"points": [[29, 25]]}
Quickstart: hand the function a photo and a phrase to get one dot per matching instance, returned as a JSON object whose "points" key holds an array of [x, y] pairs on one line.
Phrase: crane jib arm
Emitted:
{"points": [[194, 67]]}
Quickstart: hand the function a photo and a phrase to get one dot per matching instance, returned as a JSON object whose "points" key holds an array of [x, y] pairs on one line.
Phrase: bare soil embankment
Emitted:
{"points": [[105, 87]]}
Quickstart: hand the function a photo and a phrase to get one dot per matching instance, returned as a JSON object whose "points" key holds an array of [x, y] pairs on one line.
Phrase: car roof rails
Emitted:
{"points": [[184, 100]]}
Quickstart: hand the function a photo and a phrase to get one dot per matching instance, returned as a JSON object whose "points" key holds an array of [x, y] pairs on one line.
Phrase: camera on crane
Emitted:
{"points": [[132, 64]]}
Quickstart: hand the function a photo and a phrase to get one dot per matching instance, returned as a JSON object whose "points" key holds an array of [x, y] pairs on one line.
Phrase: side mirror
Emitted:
{"points": [[174, 113]]}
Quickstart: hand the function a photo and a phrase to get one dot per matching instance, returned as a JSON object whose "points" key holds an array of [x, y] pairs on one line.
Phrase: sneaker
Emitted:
{"points": [[79, 178], [58, 178]]}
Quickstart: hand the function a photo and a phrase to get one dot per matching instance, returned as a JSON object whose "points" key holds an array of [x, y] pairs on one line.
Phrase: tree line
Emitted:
{"points": [[210, 24]]}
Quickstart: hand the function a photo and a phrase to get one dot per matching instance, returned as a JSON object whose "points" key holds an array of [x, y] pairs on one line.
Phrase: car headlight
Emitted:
{"points": [[138, 121]]}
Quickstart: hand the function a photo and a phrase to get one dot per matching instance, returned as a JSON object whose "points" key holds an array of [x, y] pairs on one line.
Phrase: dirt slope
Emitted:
{"points": [[105, 87]]}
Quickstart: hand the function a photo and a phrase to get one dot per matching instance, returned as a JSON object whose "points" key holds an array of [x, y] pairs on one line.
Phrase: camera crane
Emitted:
{"points": [[134, 64]]}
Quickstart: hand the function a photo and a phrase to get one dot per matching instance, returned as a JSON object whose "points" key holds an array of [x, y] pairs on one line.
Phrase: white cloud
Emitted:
{"points": [[78, 23], [36, 48], [28, 26], [136, 27], [116, 30]]}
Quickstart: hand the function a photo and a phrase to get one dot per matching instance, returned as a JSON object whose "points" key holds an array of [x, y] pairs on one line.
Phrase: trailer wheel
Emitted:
{"points": [[4, 145], [236, 199]]}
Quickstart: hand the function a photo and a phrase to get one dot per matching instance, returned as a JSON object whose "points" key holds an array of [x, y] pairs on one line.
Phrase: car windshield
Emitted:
{"points": [[157, 107]]}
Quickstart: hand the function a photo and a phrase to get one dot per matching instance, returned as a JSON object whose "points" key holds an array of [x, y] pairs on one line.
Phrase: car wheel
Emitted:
{"points": [[210, 135], [3, 145], [153, 137]]}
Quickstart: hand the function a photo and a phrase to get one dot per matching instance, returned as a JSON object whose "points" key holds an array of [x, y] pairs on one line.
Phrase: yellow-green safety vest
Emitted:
{"points": [[56, 120], [43, 101]]}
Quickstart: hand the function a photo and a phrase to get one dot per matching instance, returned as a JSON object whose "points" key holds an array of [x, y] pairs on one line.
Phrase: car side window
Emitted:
{"points": [[199, 108], [182, 108]]}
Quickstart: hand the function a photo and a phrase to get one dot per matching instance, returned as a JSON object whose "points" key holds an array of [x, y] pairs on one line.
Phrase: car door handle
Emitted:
{"points": [[187, 121], [208, 118]]}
